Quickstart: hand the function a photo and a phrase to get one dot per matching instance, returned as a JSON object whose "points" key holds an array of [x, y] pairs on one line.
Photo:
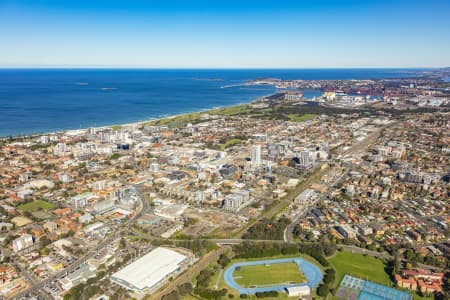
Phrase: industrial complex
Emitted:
{"points": [[152, 270]]}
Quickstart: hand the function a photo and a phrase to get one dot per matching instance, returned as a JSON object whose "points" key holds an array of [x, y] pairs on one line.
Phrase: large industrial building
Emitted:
{"points": [[151, 270]]}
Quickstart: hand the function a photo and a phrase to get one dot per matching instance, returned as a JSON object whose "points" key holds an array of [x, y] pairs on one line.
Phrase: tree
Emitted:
{"points": [[396, 265], [223, 260], [172, 296], [203, 278], [44, 241], [328, 280], [123, 243], [185, 288], [322, 290], [44, 251], [73, 294], [329, 248], [314, 250], [267, 229]]}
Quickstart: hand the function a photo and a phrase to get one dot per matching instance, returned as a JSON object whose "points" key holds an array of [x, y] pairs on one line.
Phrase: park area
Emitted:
{"points": [[364, 267], [301, 118], [36, 205], [361, 266], [268, 274]]}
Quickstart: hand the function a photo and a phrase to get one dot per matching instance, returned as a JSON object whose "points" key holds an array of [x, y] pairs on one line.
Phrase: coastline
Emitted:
{"points": [[122, 108], [137, 123]]}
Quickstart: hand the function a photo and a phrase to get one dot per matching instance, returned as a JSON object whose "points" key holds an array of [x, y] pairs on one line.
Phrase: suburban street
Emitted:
{"points": [[316, 176], [38, 286]]}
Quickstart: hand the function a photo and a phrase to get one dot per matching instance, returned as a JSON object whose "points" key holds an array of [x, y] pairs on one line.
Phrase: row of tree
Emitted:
{"points": [[198, 246], [203, 279], [267, 249], [267, 230], [210, 294], [182, 290], [316, 251], [327, 283], [270, 294]]}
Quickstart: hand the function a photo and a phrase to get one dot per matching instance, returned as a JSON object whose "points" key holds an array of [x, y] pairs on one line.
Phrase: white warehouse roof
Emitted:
{"points": [[302, 290], [150, 269]]}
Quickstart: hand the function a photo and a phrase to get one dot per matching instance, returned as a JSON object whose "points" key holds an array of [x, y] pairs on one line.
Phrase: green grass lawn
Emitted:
{"points": [[190, 297], [222, 285], [264, 275], [302, 118], [36, 205], [232, 110], [195, 116], [229, 143], [417, 297], [176, 120], [358, 265]]}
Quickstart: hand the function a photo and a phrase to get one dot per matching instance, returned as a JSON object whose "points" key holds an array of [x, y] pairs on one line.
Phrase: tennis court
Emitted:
{"points": [[359, 289]]}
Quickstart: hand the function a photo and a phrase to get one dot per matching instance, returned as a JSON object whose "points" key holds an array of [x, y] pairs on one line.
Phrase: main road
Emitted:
{"points": [[356, 147], [37, 286], [143, 206]]}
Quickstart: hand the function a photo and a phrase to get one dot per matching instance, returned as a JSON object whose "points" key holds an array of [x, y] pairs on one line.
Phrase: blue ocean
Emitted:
{"points": [[47, 100]]}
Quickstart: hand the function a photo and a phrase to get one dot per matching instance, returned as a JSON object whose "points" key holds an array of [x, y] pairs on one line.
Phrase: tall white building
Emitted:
{"points": [[305, 160], [64, 178], [60, 149], [200, 196], [24, 177], [236, 201], [92, 130], [256, 156], [23, 242], [44, 139], [81, 200], [154, 167], [99, 185]]}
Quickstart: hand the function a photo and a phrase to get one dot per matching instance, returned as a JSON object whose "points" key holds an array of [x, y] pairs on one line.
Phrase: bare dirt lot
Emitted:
{"points": [[211, 223]]}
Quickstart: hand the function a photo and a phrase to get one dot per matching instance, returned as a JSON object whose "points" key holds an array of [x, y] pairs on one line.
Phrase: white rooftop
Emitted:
{"points": [[301, 288], [150, 269]]}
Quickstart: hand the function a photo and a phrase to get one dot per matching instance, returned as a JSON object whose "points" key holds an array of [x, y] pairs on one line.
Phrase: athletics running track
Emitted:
{"points": [[311, 271]]}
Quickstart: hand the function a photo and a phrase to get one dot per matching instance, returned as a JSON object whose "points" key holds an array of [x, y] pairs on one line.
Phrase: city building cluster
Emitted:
{"points": [[68, 200]]}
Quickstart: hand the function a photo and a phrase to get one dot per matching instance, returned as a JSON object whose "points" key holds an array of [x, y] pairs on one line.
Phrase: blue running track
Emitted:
{"points": [[311, 271]]}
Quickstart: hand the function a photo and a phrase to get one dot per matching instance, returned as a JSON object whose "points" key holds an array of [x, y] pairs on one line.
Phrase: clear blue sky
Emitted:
{"points": [[225, 34]]}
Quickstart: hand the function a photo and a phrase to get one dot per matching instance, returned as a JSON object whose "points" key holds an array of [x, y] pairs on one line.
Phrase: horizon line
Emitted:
{"points": [[209, 68]]}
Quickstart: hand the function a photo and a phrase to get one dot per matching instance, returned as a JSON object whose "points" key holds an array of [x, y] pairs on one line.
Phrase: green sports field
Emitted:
{"points": [[301, 118], [36, 205], [358, 265], [266, 275]]}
